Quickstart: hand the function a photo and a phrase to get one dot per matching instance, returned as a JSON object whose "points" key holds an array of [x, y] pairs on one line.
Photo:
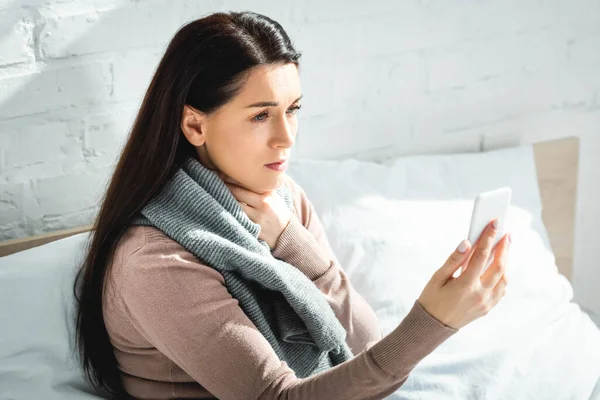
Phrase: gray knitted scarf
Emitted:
{"points": [[196, 209]]}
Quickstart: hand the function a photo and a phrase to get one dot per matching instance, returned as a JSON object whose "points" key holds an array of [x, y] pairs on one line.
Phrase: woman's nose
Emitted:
{"points": [[286, 134]]}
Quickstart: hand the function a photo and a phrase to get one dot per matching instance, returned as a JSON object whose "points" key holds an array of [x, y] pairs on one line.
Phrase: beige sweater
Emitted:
{"points": [[177, 332]]}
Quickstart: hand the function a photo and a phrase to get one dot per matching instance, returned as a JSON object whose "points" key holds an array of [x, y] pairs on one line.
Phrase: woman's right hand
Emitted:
{"points": [[458, 301]]}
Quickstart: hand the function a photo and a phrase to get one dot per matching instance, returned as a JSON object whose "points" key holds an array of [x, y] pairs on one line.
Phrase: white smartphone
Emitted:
{"points": [[487, 206]]}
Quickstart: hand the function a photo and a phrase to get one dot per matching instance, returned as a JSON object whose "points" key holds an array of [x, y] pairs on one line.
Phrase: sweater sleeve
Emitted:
{"points": [[183, 308]]}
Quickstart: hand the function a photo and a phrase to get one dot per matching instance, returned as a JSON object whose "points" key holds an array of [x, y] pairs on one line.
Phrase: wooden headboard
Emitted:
{"points": [[557, 170], [557, 164]]}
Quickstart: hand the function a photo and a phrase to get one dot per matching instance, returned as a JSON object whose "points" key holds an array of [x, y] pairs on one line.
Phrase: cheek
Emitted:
{"points": [[239, 150], [243, 146]]}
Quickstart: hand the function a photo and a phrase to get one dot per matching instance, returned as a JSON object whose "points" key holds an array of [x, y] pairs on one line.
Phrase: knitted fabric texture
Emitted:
{"points": [[196, 209]]}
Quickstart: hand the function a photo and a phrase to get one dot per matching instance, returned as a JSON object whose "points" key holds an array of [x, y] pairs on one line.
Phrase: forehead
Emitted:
{"points": [[271, 83]]}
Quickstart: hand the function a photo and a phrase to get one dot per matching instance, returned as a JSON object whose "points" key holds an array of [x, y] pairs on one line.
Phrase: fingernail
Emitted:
{"points": [[495, 224], [509, 238], [462, 247]]}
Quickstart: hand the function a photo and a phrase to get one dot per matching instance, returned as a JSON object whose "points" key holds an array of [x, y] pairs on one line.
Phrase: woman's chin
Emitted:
{"points": [[269, 184]]}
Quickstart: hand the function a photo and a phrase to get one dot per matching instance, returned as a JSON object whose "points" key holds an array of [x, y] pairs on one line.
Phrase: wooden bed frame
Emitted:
{"points": [[557, 169]]}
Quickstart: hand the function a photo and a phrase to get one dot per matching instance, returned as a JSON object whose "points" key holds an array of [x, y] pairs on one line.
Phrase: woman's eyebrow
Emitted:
{"points": [[269, 103]]}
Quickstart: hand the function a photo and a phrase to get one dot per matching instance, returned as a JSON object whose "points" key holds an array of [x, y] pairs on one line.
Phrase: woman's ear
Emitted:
{"points": [[192, 124]]}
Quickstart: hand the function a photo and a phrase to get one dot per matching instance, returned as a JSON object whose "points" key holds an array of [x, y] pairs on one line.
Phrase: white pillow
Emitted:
{"points": [[404, 217], [37, 359]]}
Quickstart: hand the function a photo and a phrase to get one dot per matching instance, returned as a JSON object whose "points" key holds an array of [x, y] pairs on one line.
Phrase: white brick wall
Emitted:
{"points": [[420, 75]]}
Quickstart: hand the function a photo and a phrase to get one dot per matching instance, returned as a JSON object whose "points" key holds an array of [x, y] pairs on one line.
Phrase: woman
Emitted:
{"points": [[156, 320]]}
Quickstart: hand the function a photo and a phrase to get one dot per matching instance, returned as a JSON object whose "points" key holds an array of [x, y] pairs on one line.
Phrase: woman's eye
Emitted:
{"points": [[258, 117], [262, 116], [296, 108]]}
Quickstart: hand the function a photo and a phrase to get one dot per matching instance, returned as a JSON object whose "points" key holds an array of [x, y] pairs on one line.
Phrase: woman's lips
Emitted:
{"points": [[281, 166]]}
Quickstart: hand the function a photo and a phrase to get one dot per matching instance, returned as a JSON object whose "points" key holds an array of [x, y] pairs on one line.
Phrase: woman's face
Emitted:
{"points": [[257, 127]]}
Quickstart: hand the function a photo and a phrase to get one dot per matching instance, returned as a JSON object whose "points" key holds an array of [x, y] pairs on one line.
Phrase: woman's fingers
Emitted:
{"points": [[244, 195], [497, 269], [453, 262], [480, 255], [475, 245], [499, 291]]}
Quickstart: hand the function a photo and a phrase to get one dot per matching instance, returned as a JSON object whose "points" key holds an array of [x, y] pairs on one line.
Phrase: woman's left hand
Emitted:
{"points": [[268, 210]]}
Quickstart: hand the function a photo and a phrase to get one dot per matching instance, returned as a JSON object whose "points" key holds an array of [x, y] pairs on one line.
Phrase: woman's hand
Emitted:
{"points": [[268, 210], [457, 301]]}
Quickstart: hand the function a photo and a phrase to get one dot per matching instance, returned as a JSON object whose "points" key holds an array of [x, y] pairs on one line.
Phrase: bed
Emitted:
{"points": [[536, 344]]}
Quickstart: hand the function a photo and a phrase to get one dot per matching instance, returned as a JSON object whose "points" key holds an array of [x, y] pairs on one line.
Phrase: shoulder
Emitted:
{"points": [[140, 238], [156, 256]]}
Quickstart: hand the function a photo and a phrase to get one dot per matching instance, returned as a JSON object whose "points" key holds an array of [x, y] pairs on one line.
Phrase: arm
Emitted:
{"points": [[184, 309], [304, 244]]}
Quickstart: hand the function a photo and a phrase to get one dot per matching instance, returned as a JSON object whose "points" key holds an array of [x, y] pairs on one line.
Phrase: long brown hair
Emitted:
{"points": [[205, 66]]}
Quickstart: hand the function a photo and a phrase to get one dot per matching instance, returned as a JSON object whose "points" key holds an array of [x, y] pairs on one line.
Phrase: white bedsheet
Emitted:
{"points": [[524, 349]]}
